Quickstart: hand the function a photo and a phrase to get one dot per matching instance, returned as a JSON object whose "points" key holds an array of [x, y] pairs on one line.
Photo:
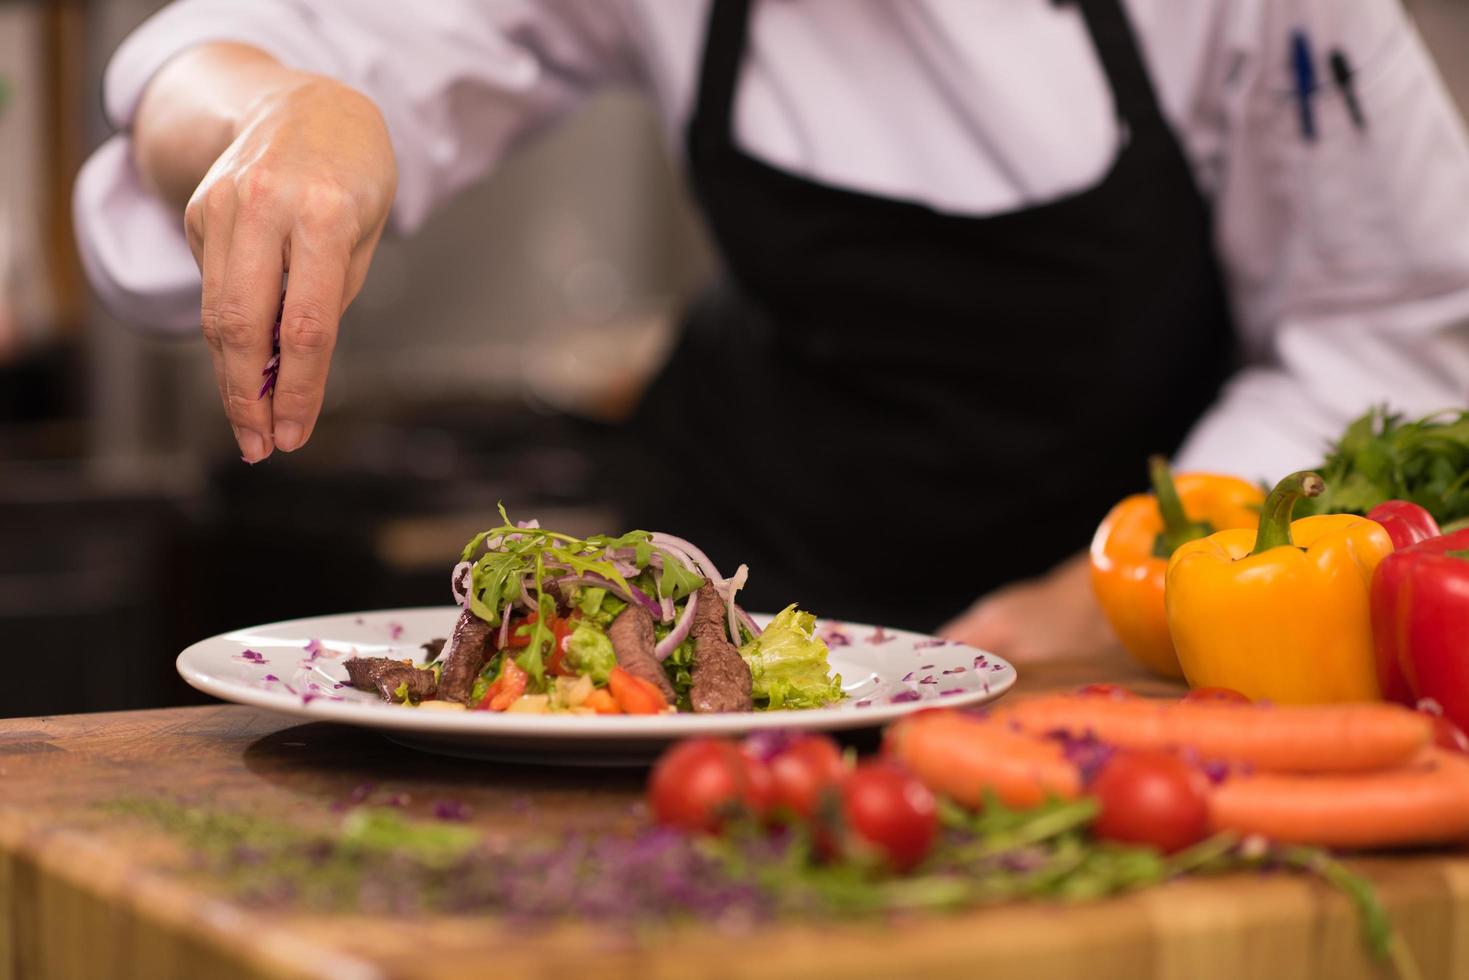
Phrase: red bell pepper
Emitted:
{"points": [[1405, 522], [1420, 617]]}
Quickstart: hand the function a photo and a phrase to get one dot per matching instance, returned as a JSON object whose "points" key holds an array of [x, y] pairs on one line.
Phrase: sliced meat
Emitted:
{"points": [[721, 678], [464, 655], [385, 675], [631, 634], [432, 649]]}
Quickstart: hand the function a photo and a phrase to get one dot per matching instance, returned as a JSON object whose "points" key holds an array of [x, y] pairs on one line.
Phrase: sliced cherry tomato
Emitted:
{"points": [[1151, 798], [634, 695], [561, 631], [505, 689], [1104, 691], [520, 632], [804, 772], [1228, 694], [889, 811], [700, 784]]}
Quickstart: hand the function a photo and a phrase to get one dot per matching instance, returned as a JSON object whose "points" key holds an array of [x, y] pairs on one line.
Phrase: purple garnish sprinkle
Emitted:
{"points": [[902, 696], [925, 644], [451, 810], [833, 636], [359, 620], [927, 679], [308, 697], [956, 670], [864, 703], [952, 690], [314, 648], [272, 366], [253, 656], [880, 636], [338, 686], [980, 661], [395, 630], [766, 745], [907, 677], [997, 666], [271, 677], [1087, 752]]}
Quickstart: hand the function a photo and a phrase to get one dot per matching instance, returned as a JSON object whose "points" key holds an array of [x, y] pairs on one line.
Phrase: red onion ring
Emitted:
{"points": [[680, 630]]}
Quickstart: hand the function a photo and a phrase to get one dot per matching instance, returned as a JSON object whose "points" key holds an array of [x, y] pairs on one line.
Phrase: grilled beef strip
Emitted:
{"points": [[432, 649], [464, 655], [721, 678], [385, 675], [631, 634]]}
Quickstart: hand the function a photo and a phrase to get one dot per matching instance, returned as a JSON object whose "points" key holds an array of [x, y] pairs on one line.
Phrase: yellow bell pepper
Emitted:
{"points": [[1130, 551], [1280, 613]]}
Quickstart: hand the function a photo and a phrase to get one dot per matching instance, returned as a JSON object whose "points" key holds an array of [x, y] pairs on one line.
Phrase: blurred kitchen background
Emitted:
{"points": [[483, 362]]}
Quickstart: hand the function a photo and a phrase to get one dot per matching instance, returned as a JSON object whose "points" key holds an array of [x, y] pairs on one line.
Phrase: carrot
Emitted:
{"points": [[602, 702], [634, 695], [1424, 802], [960, 756], [1276, 738]]}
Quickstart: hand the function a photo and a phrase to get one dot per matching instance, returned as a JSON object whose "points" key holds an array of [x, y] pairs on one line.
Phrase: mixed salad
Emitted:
{"points": [[641, 623]]}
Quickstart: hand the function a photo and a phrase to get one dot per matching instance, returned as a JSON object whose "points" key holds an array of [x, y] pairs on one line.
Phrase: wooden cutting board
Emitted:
{"points": [[84, 894]]}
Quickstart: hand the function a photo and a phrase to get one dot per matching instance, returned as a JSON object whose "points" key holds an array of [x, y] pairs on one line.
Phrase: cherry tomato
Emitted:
{"points": [[805, 770], [1151, 798], [1104, 691], [699, 784], [889, 811], [1226, 694]]}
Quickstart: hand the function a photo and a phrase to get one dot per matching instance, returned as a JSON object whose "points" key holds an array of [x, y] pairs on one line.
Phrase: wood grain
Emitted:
{"points": [[83, 895]]}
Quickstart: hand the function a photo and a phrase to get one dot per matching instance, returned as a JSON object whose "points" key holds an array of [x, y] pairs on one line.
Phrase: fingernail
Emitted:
{"points": [[252, 445], [288, 435]]}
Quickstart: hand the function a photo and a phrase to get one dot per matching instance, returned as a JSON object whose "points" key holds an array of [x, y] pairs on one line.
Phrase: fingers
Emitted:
{"points": [[314, 302], [209, 224], [238, 318]]}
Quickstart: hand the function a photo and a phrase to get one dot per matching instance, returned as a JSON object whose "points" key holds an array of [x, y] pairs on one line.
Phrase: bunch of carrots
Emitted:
{"points": [[1353, 776]]}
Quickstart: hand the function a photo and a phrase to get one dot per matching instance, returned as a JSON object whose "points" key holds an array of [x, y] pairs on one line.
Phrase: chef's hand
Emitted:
{"points": [[1045, 618], [279, 171]]}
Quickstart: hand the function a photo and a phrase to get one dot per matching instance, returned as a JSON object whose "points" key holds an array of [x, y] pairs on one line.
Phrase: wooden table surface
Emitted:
{"points": [[86, 895]]}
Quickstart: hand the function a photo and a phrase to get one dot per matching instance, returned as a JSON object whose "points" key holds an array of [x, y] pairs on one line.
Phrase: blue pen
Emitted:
{"points": [[1304, 70]]}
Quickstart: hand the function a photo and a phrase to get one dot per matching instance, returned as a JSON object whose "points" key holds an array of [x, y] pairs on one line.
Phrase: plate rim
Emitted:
{"points": [[554, 728]]}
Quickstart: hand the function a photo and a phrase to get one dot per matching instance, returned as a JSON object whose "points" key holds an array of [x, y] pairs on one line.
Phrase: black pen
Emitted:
{"points": [[1342, 74]]}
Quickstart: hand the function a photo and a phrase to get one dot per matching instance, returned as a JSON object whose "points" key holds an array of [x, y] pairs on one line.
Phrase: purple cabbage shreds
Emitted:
{"points": [[903, 696], [864, 703], [908, 677], [981, 661], [395, 630], [997, 666], [272, 366], [1087, 752], [925, 644], [952, 690], [833, 636], [271, 677], [766, 745], [454, 810], [927, 679], [253, 656], [314, 648], [957, 670]]}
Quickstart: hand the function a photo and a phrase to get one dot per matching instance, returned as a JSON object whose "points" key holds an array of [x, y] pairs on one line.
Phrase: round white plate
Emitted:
{"points": [[295, 668]]}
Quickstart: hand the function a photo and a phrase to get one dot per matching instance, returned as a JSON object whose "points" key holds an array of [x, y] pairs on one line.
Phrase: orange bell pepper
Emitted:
{"points": [[1130, 551]]}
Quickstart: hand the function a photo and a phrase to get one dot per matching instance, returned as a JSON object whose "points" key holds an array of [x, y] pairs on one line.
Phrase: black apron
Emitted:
{"points": [[887, 411]]}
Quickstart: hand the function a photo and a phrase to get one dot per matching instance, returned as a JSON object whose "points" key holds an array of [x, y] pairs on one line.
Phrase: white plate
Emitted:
{"points": [[295, 668]]}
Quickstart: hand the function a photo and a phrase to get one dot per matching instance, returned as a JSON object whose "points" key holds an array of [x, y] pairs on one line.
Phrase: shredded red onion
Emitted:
{"points": [[504, 636], [675, 545], [680, 629], [465, 570], [632, 593], [748, 620]]}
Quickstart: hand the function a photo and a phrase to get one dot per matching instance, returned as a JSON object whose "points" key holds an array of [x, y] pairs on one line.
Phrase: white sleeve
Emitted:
{"points": [[458, 82], [1347, 256]]}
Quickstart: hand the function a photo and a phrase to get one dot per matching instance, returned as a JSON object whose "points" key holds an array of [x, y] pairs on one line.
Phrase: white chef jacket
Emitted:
{"points": [[1346, 257]]}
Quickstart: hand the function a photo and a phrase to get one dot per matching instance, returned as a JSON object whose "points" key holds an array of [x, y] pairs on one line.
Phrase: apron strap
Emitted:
{"points": [[724, 51], [1116, 45]]}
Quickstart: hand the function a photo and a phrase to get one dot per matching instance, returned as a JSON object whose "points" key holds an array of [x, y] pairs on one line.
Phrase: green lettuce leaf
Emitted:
{"points": [[788, 664], [589, 651]]}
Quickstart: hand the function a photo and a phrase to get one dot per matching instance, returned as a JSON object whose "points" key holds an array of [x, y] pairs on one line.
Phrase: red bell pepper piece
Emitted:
{"points": [[1420, 617], [1405, 522], [505, 689]]}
